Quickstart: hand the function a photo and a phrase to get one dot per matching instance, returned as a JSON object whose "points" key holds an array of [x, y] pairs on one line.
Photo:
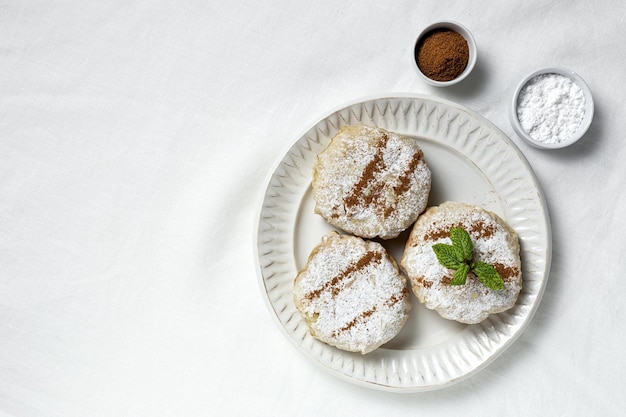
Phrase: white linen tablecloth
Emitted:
{"points": [[135, 140]]}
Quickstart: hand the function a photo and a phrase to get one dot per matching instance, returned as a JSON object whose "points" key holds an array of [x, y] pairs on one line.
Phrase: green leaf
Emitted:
{"points": [[458, 256], [463, 242], [488, 275], [447, 255], [460, 276]]}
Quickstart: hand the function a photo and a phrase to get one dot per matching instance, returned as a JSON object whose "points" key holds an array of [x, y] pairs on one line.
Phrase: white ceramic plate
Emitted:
{"points": [[471, 161]]}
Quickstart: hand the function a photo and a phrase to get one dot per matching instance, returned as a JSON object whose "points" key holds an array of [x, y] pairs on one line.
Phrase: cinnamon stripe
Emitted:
{"points": [[355, 320], [390, 302], [369, 257], [375, 165], [507, 273], [405, 178]]}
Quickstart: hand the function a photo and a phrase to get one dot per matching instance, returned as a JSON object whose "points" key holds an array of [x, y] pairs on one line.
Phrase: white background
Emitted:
{"points": [[135, 140]]}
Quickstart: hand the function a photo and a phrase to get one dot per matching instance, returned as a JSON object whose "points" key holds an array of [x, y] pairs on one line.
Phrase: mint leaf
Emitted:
{"points": [[460, 276], [448, 255], [463, 242], [458, 256], [488, 275]]}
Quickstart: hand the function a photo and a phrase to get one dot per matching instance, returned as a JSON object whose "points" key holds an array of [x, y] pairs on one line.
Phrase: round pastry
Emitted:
{"points": [[370, 182], [351, 293], [494, 243]]}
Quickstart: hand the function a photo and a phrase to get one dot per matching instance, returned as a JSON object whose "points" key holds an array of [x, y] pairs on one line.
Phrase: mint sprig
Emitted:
{"points": [[458, 256]]}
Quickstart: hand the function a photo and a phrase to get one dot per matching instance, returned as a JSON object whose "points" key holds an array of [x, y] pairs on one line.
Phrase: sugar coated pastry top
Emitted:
{"points": [[494, 243], [371, 182], [351, 293]]}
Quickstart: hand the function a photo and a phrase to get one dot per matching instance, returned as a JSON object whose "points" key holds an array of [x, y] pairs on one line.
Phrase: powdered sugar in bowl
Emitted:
{"points": [[552, 108]]}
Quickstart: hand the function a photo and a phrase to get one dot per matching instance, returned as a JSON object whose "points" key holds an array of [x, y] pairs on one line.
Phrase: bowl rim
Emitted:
{"points": [[471, 43], [585, 123]]}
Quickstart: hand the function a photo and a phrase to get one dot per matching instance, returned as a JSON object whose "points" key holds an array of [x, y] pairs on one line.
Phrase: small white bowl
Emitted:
{"points": [[582, 128], [471, 43]]}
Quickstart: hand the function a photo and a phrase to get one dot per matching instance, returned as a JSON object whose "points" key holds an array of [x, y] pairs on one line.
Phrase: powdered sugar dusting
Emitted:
{"points": [[494, 243], [371, 182], [551, 108], [352, 294]]}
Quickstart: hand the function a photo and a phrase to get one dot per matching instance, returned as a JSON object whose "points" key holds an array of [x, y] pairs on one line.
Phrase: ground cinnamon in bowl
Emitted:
{"points": [[442, 54]]}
